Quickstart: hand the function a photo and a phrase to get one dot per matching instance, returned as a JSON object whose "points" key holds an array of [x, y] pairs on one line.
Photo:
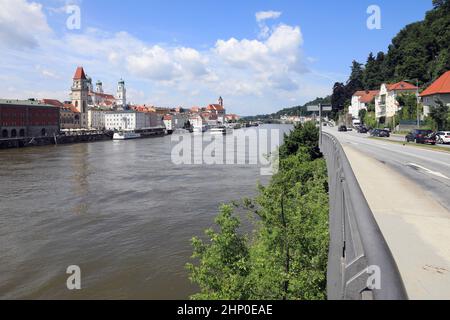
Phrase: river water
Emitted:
{"points": [[120, 210]]}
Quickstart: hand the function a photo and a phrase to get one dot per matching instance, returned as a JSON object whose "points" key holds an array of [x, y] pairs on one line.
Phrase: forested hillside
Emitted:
{"points": [[420, 51]]}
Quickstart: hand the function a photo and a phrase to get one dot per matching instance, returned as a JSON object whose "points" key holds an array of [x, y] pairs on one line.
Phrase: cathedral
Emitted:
{"points": [[85, 98]]}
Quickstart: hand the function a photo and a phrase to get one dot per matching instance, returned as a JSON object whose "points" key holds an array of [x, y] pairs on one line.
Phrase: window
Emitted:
{"points": [[5, 133]]}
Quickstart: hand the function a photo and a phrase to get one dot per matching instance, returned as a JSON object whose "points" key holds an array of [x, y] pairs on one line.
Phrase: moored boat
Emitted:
{"points": [[126, 135]]}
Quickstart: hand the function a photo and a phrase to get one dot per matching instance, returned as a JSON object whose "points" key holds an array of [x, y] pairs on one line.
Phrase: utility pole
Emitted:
{"points": [[320, 124], [417, 103]]}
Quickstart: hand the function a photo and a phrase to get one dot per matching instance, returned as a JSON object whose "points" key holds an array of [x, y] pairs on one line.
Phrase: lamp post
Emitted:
{"points": [[417, 100]]}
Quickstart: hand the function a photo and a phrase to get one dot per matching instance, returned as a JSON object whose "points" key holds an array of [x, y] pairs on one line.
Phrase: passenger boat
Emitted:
{"points": [[126, 135], [200, 129], [220, 130]]}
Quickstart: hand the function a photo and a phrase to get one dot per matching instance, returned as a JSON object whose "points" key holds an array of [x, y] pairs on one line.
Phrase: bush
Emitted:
{"points": [[286, 255]]}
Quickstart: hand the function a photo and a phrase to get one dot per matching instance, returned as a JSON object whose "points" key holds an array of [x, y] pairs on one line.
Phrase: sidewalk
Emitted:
{"points": [[415, 226]]}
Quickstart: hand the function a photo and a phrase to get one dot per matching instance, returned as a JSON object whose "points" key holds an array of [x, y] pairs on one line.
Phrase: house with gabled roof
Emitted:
{"points": [[361, 100], [386, 104], [438, 90]]}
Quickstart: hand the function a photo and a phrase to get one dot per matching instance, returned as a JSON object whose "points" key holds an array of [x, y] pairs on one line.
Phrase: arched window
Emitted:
{"points": [[5, 133], [43, 132], [13, 133], [22, 132]]}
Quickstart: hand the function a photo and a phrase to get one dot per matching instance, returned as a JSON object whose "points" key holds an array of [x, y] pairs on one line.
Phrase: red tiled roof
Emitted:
{"points": [[441, 85], [366, 96], [167, 117], [79, 74], [70, 107], [215, 107], [53, 102], [402, 85]]}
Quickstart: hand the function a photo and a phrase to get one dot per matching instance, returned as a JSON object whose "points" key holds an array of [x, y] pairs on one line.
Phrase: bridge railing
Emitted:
{"points": [[360, 264]]}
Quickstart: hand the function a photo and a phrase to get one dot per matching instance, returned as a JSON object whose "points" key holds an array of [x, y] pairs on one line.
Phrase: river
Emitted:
{"points": [[120, 210]]}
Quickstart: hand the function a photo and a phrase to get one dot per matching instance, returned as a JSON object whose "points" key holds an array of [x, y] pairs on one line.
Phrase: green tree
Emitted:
{"points": [[362, 115], [408, 104], [440, 115], [339, 96], [286, 257], [356, 79], [223, 266]]}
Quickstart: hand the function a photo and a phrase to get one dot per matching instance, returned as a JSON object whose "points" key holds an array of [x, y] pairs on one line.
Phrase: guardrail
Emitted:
{"points": [[360, 264]]}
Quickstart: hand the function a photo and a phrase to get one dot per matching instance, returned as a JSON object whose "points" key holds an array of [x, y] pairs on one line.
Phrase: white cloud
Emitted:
{"points": [[265, 15], [22, 24], [264, 73]]}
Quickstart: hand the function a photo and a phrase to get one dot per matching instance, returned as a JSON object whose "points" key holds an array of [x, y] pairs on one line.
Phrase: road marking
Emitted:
{"points": [[438, 174]]}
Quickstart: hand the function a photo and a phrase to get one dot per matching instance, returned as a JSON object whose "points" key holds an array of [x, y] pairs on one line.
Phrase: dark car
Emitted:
{"points": [[362, 130], [418, 135], [342, 129], [430, 139], [380, 133]]}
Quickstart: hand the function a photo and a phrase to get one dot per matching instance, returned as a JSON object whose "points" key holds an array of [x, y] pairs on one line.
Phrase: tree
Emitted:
{"points": [[286, 258], [339, 96], [373, 73], [356, 79], [362, 115], [440, 115], [223, 268], [408, 104]]}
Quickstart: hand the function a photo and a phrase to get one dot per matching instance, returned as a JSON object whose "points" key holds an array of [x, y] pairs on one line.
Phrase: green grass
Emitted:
{"points": [[422, 146]]}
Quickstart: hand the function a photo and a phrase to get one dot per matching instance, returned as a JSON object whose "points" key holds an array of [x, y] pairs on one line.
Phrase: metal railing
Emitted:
{"points": [[360, 264]]}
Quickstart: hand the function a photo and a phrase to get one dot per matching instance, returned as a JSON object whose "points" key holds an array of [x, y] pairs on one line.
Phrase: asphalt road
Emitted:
{"points": [[429, 169]]}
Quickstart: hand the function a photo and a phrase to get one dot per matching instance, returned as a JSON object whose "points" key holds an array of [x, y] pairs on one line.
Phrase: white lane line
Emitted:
{"points": [[438, 174]]}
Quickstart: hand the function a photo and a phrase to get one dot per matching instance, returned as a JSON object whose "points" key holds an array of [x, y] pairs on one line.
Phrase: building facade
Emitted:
{"points": [[360, 101], [437, 91], [386, 105], [131, 120], [96, 119], [29, 118], [69, 117]]}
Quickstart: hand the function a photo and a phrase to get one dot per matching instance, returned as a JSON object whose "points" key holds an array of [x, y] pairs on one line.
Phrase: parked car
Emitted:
{"points": [[362, 130], [443, 137], [380, 133], [418, 135], [342, 129], [430, 139]]}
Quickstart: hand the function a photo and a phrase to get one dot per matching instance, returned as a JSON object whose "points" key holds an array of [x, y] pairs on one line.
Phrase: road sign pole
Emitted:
{"points": [[320, 124]]}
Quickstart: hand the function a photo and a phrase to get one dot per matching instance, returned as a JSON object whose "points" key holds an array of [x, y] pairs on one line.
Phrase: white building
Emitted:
{"points": [[197, 121], [174, 121], [360, 101], [131, 120], [386, 104], [96, 119]]}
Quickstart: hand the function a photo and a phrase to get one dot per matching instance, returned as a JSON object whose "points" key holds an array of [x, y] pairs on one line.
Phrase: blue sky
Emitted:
{"points": [[259, 55]]}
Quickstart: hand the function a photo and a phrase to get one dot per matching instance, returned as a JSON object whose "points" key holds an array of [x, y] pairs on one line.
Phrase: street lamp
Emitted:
{"points": [[417, 99]]}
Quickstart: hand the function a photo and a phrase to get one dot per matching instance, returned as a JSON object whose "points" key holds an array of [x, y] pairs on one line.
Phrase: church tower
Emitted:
{"points": [[99, 87], [80, 94], [221, 101], [121, 94]]}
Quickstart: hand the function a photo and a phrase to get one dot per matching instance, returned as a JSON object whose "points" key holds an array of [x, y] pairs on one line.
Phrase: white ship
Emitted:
{"points": [[126, 135], [220, 130]]}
